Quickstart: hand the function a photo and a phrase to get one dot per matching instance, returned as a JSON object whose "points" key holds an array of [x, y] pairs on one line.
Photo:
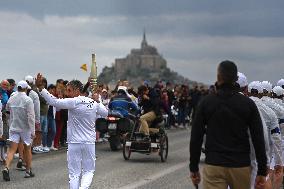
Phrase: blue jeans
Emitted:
{"points": [[181, 116], [51, 130], [43, 123]]}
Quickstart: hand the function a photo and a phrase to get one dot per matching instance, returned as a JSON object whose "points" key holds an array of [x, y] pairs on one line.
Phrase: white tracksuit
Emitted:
{"points": [[281, 121], [279, 111], [81, 136], [271, 135]]}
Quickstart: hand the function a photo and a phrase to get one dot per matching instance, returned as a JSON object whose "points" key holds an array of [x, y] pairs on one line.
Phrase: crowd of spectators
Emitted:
{"points": [[178, 101]]}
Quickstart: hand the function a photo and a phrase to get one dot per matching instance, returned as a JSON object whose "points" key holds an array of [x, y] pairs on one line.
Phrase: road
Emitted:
{"points": [[112, 171]]}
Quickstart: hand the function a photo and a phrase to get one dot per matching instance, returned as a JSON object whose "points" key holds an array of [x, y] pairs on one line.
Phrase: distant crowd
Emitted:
{"points": [[179, 103]]}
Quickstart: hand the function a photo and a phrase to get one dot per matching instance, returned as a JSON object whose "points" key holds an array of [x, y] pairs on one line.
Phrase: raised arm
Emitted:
{"points": [[66, 103]]}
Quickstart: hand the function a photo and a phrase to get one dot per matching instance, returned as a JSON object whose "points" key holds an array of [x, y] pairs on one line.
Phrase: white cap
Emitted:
{"points": [[23, 84], [104, 90], [242, 80], [255, 85], [278, 90], [267, 86], [280, 82], [29, 79], [122, 88]]}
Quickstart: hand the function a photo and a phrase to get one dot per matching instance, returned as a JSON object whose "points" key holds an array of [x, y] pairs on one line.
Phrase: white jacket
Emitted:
{"points": [[34, 96], [271, 122], [274, 106], [22, 114], [82, 114]]}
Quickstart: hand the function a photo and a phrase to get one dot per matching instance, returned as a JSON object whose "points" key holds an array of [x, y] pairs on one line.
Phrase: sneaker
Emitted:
{"points": [[16, 155], [53, 149], [105, 139], [100, 140], [37, 150], [6, 175], [29, 174], [20, 166], [45, 149]]}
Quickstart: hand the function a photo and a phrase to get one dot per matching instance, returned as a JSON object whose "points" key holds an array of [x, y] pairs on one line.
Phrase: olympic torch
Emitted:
{"points": [[93, 74]]}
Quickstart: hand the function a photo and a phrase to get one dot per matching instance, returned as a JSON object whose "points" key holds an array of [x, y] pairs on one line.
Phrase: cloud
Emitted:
{"points": [[193, 43]]}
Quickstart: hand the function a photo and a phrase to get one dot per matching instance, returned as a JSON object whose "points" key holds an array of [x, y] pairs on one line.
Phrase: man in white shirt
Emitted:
{"points": [[81, 130], [22, 127]]}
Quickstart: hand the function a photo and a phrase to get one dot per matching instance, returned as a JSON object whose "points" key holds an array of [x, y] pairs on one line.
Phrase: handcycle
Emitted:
{"points": [[158, 140]]}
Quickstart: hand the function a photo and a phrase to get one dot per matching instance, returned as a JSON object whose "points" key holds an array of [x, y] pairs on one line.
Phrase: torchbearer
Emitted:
{"points": [[81, 131]]}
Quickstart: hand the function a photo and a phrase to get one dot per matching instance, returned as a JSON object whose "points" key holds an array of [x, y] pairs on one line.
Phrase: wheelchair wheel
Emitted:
{"points": [[164, 147], [126, 151]]}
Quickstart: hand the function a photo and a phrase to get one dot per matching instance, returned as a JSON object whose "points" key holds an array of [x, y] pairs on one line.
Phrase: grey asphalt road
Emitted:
{"points": [[112, 171]]}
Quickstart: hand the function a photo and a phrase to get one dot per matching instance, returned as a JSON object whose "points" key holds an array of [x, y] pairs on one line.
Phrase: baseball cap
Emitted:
{"points": [[242, 80], [255, 85], [278, 90], [23, 84], [280, 82], [29, 79], [266, 85]]}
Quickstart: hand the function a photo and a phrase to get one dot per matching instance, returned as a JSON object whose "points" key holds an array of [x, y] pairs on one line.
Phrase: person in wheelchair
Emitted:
{"points": [[122, 104], [151, 104]]}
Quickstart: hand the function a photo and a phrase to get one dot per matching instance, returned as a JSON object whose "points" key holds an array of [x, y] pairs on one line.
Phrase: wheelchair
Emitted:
{"points": [[158, 142]]}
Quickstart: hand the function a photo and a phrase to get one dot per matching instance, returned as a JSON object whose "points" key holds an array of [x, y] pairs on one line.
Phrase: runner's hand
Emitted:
{"points": [[260, 182], [195, 178]]}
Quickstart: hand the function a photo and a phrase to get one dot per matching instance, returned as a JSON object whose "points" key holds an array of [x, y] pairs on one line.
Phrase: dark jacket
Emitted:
{"points": [[154, 102], [227, 117], [123, 104]]}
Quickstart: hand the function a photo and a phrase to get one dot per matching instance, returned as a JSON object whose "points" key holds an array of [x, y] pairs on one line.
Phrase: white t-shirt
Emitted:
{"points": [[82, 115]]}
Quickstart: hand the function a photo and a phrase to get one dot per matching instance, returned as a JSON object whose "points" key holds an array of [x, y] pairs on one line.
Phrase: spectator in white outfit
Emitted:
{"points": [[279, 111], [272, 127], [81, 131], [22, 127], [34, 96]]}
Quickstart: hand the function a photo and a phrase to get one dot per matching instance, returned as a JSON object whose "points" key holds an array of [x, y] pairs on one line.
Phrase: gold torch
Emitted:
{"points": [[93, 74]]}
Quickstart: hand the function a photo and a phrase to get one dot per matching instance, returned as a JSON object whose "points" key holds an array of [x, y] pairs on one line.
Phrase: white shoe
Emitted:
{"points": [[105, 139], [100, 140], [37, 150], [45, 149], [16, 156], [53, 149]]}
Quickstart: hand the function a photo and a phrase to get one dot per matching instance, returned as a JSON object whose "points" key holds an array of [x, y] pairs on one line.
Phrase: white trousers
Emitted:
{"points": [[81, 160]]}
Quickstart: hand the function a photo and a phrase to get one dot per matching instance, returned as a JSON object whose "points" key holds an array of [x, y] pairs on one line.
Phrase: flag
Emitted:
{"points": [[84, 67]]}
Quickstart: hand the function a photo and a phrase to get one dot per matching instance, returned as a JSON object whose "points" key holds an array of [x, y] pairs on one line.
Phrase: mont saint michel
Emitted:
{"points": [[145, 63]]}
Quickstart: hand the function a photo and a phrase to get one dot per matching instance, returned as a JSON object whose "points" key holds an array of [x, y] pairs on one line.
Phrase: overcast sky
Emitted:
{"points": [[56, 37]]}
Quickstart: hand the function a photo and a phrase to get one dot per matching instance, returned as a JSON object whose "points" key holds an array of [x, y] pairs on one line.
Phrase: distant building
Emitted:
{"points": [[147, 57]]}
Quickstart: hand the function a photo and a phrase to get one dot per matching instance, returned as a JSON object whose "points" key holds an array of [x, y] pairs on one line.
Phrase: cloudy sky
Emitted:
{"points": [[55, 37]]}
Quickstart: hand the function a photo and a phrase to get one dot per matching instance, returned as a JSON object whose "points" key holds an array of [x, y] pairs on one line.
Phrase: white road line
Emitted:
{"points": [[155, 176]]}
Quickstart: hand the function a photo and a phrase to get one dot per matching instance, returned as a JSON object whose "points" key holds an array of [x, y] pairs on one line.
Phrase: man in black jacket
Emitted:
{"points": [[226, 117]]}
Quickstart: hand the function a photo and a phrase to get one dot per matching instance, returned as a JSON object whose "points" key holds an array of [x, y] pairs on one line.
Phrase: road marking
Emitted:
{"points": [[155, 176]]}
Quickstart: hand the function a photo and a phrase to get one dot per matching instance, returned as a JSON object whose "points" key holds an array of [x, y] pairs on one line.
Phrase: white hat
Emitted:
{"points": [[29, 79], [278, 90], [267, 86], [255, 85], [242, 80], [122, 88], [23, 84], [104, 90], [280, 82]]}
